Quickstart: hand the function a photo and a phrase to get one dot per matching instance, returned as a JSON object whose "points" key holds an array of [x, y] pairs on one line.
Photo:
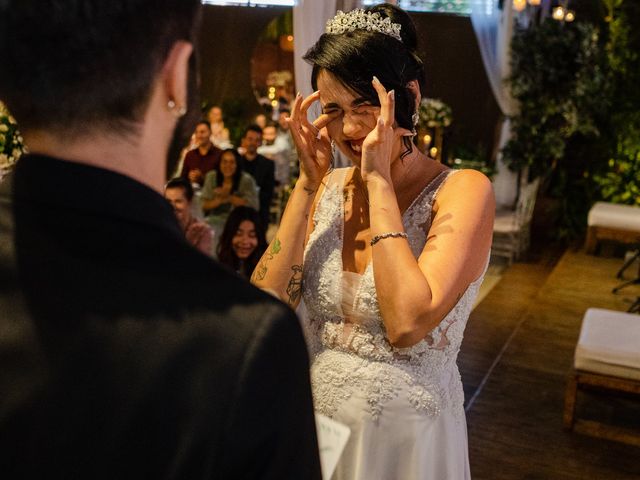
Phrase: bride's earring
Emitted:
{"points": [[415, 118]]}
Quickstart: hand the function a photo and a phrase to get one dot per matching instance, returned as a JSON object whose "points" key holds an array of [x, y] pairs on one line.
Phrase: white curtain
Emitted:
{"points": [[309, 20], [494, 28]]}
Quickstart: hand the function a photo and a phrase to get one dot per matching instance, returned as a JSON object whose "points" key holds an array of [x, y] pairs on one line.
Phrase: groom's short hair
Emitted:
{"points": [[76, 65]]}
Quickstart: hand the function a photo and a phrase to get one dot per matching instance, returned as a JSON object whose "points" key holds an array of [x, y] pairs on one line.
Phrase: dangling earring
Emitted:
{"points": [[415, 118], [179, 112]]}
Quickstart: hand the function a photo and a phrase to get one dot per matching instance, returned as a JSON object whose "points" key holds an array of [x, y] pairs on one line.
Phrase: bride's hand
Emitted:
{"points": [[377, 147], [311, 140]]}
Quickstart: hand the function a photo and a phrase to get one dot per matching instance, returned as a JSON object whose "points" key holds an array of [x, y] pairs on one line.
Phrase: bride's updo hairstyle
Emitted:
{"points": [[355, 57]]}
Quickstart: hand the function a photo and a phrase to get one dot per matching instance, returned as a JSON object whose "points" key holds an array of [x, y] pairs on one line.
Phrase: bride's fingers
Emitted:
{"points": [[294, 119], [324, 119], [387, 101], [304, 107]]}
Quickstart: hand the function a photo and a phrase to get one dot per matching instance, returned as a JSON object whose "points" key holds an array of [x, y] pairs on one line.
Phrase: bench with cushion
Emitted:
{"points": [[611, 221], [607, 357]]}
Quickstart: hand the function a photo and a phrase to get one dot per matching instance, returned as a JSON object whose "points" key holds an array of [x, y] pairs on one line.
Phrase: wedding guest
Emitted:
{"points": [[260, 120], [388, 255], [242, 242], [179, 193], [226, 188], [201, 160], [219, 133], [126, 353], [260, 168], [275, 148]]}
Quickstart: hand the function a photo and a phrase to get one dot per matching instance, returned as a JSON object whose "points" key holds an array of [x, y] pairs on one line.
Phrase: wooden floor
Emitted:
{"points": [[514, 361]]}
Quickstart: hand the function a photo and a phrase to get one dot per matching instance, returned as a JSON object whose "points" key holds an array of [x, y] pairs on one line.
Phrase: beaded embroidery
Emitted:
{"points": [[357, 357]]}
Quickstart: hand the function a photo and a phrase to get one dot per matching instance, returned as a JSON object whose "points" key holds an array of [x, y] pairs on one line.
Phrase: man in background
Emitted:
{"points": [[275, 149], [125, 352], [260, 168], [202, 159], [179, 193]]}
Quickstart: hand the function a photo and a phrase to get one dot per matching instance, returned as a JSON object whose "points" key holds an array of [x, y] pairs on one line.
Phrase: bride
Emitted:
{"points": [[388, 255]]}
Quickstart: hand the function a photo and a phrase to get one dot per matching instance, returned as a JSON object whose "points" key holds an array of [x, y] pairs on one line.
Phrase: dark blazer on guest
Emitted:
{"points": [[126, 353]]}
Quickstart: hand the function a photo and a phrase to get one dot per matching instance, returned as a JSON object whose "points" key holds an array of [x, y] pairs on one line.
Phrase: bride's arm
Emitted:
{"points": [[414, 296], [279, 271]]}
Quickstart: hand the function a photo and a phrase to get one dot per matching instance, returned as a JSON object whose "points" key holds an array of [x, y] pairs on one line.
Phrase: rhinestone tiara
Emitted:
{"points": [[360, 19]]}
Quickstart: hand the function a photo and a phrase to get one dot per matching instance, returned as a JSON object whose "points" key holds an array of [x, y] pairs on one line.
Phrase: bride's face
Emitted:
{"points": [[356, 118]]}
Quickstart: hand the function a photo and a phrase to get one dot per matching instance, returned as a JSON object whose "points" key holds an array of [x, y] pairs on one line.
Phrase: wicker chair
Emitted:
{"points": [[512, 228]]}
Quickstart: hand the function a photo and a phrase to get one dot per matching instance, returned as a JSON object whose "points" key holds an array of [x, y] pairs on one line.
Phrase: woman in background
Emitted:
{"points": [[219, 133], [243, 241], [225, 188]]}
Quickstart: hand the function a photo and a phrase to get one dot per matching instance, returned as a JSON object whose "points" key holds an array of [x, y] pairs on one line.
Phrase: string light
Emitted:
{"points": [[558, 13], [519, 5], [570, 16]]}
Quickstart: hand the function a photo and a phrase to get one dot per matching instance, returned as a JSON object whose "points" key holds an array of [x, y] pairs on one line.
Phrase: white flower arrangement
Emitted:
{"points": [[11, 142], [434, 113]]}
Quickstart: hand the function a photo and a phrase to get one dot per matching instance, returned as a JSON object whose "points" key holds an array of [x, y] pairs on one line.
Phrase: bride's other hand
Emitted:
{"points": [[311, 140], [377, 148]]}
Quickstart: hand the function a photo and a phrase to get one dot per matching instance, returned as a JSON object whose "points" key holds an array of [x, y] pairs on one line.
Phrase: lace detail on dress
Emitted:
{"points": [[350, 351]]}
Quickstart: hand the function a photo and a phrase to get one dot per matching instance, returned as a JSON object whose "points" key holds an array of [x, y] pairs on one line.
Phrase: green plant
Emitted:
{"points": [[11, 143], [557, 80], [620, 183], [463, 156]]}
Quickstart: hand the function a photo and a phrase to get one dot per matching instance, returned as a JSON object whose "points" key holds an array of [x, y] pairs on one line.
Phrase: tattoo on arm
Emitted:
{"points": [[261, 270], [294, 289]]}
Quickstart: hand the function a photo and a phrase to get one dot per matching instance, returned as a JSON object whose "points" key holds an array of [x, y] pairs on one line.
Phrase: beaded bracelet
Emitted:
{"points": [[382, 236]]}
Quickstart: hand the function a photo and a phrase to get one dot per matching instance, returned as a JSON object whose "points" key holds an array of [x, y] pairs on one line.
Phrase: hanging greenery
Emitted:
{"points": [[620, 183], [557, 80], [11, 143]]}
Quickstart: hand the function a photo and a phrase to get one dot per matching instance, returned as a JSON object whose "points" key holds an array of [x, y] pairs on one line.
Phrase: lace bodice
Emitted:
{"points": [[344, 317]]}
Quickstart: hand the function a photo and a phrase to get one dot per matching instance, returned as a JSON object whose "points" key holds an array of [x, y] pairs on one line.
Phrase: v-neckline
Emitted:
{"points": [[341, 187]]}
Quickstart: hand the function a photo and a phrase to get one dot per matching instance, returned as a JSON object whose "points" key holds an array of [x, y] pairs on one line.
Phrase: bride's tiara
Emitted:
{"points": [[359, 19]]}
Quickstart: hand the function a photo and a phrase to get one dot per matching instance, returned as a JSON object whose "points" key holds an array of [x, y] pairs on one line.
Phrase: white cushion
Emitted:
{"points": [[612, 215], [609, 343]]}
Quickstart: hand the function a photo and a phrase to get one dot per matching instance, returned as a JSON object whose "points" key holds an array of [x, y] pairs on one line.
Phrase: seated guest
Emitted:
{"points": [[219, 133], [260, 120], [243, 241], [275, 149], [199, 161], [179, 193], [260, 168], [225, 188]]}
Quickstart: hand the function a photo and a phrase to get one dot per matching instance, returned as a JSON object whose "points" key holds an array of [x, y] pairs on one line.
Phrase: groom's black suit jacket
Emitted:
{"points": [[125, 353]]}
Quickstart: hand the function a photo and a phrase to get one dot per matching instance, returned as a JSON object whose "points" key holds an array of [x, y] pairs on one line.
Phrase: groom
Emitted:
{"points": [[125, 352]]}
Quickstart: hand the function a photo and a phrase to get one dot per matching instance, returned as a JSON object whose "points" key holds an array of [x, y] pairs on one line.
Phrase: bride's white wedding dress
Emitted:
{"points": [[404, 406]]}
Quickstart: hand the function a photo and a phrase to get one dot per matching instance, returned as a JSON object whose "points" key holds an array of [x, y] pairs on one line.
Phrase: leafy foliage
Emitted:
{"points": [[620, 183], [558, 79], [11, 143]]}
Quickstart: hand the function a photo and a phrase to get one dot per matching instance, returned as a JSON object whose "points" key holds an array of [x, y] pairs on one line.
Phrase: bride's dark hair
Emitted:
{"points": [[355, 57]]}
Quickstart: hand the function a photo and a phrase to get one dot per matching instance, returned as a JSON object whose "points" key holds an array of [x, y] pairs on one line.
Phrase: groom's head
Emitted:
{"points": [[74, 67]]}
